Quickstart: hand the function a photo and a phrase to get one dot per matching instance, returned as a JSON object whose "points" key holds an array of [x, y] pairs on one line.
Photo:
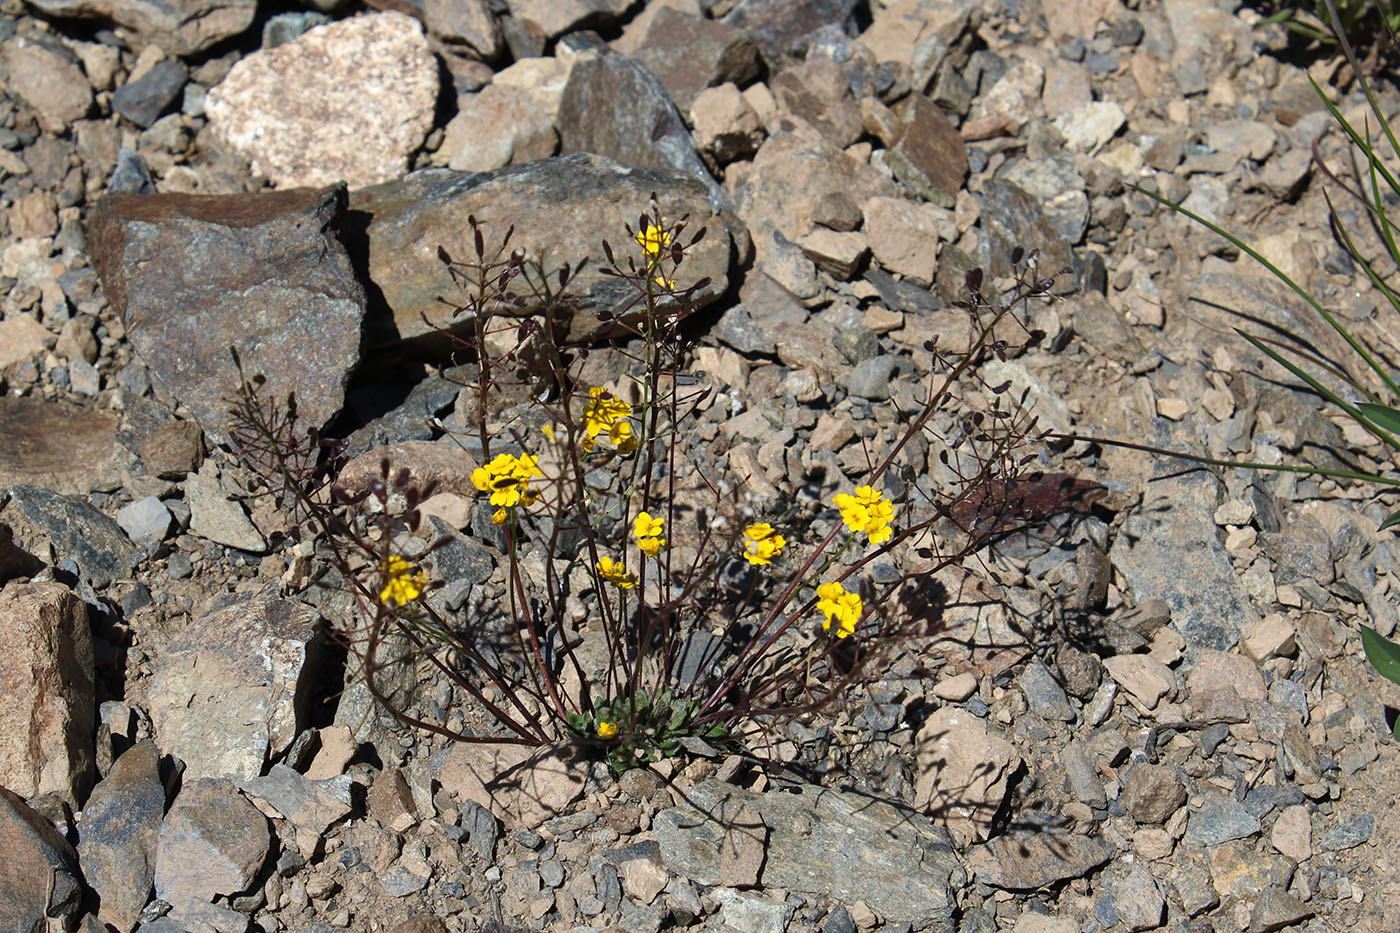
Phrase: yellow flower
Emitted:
{"points": [[652, 240], [868, 511], [763, 544], [648, 531], [834, 602], [404, 584], [607, 730], [507, 479], [607, 414], [613, 572], [665, 283], [499, 517]]}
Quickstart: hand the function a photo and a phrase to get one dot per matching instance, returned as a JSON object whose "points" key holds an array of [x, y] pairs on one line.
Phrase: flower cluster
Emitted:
{"points": [[607, 414], [762, 544], [868, 511], [507, 479], [653, 240], [615, 573], [648, 532], [404, 582], [607, 730], [836, 603]]}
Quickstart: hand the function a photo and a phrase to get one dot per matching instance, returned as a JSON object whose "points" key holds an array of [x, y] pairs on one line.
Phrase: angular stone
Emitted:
{"points": [[1215, 671], [522, 786], [908, 871], [963, 772], [1292, 833], [917, 33], [511, 120], [1153, 793], [145, 521], [785, 27], [689, 53], [298, 112], [904, 236], [1045, 697], [46, 672], [193, 275], [216, 517], [725, 125], [560, 208], [614, 107], [1220, 820], [74, 530], [928, 156], [39, 876], [1237, 870], [1144, 677], [1090, 126], [790, 176], [1174, 554], [752, 914], [817, 91], [48, 81], [213, 842], [744, 848], [143, 100], [311, 806], [58, 446], [119, 835], [467, 23], [839, 254], [225, 695], [1013, 217], [1137, 899], [173, 449], [180, 28], [555, 17], [1276, 909], [1024, 861], [21, 339]]}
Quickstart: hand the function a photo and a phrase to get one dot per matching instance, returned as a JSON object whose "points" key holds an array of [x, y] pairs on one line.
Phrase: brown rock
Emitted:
{"points": [[817, 91], [522, 786], [840, 254], [1219, 670], [555, 17], [725, 125], [391, 802], [21, 340], [442, 463], [689, 53], [173, 450], [510, 120], [48, 81], [193, 275], [46, 672], [39, 875], [178, 28], [58, 446], [904, 236], [213, 842], [1276, 909], [963, 772], [1025, 861], [120, 831], [465, 22], [1153, 793], [744, 847], [929, 156]]}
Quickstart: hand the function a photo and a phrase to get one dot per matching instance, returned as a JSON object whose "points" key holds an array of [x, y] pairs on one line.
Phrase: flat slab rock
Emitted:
{"points": [[1026, 861], [39, 877], [193, 275], [819, 840], [180, 27], [561, 209], [59, 446]]}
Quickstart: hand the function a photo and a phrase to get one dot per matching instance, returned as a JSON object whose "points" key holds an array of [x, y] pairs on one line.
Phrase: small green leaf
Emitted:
{"points": [[1391, 521], [1383, 654], [1383, 415]]}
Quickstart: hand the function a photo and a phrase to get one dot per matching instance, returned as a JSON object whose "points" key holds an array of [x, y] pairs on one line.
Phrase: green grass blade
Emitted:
{"points": [[1383, 654], [1383, 415], [1356, 137], [1278, 274], [1391, 521]]}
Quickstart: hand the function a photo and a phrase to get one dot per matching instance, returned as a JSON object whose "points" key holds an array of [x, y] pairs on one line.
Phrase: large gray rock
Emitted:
{"points": [[46, 675], [193, 275], [39, 876], [822, 841], [690, 53], [180, 27], [228, 687], [120, 830], [785, 27], [73, 530], [213, 842], [1170, 550], [613, 106], [561, 210], [59, 447]]}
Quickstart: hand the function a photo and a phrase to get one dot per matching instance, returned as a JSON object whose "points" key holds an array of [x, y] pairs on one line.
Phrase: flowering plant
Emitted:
{"points": [[647, 599]]}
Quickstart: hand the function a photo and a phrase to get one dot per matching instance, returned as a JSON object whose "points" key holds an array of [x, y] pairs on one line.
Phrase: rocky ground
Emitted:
{"points": [[1151, 714]]}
